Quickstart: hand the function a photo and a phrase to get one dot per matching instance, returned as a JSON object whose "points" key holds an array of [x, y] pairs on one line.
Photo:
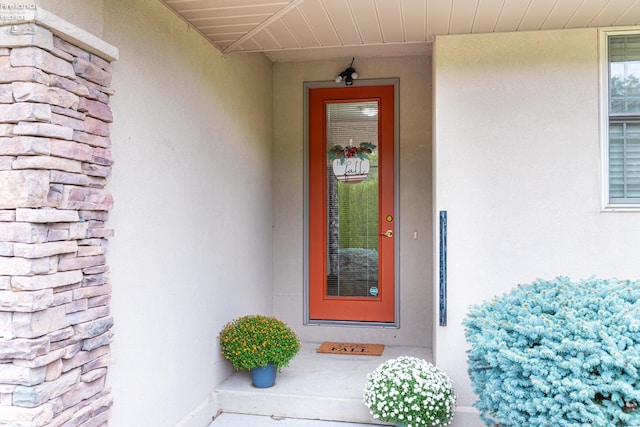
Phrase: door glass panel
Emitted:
{"points": [[352, 199]]}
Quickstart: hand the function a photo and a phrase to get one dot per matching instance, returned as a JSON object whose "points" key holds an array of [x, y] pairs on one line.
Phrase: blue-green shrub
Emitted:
{"points": [[557, 353]]}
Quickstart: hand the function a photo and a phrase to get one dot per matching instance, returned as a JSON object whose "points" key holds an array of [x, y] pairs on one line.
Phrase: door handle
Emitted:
{"points": [[388, 233]]}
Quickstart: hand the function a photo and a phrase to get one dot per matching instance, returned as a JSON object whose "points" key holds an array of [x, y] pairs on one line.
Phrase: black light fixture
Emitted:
{"points": [[348, 75]]}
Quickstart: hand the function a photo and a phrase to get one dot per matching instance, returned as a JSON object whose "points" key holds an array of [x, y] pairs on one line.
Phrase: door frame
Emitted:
{"points": [[395, 82]]}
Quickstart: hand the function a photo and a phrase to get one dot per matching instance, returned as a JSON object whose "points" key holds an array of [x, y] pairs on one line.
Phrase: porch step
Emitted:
{"points": [[314, 386]]}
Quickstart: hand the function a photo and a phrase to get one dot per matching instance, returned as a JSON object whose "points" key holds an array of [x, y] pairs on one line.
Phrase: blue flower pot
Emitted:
{"points": [[264, 376]]}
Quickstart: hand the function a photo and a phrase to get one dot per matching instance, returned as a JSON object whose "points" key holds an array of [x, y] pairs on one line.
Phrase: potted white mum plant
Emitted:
{"points": [[410, 392]]}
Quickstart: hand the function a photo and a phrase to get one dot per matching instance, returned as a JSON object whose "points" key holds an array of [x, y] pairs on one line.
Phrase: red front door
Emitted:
{"points": [[351, 204]]}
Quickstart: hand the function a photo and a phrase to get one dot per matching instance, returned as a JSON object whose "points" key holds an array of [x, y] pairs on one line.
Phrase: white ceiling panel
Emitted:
{"points": [[222, 4], [631, 15], [487, 14], [340, 14], [462, 16], [367, 22], [438, 17], [390, 16], [320, 23], [299, 27], [290, 30], [561, 14], [232, 12], [612, 12], [236, 30], [250, 44], [586, 14], [511, 15], [414, 16], [283, 35], [266, 40], [232, 20], [537, 14]]}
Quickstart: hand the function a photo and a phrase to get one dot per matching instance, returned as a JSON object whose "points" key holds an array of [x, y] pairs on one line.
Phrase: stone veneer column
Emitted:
{"points": [[55, 158]]}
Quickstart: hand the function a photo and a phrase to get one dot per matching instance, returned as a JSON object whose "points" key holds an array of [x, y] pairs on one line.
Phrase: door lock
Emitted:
{"points": [[388, 233]]}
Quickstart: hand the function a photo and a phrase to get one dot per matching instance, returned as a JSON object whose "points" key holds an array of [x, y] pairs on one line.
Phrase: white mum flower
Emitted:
{"points": [[408, 388]]}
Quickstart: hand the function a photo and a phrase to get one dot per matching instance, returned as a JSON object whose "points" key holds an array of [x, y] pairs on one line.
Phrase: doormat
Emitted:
{"points": [[351, 348]]}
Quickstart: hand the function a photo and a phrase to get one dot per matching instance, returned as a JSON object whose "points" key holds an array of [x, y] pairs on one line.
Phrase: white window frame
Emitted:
{"points": [[604, 34]]}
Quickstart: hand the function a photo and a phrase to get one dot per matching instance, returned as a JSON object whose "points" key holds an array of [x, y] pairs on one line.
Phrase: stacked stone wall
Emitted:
{"points": [[55, 158]]}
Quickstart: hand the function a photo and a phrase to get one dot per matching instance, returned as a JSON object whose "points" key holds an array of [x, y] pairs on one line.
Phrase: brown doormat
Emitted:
{"points": [[351, 348]]}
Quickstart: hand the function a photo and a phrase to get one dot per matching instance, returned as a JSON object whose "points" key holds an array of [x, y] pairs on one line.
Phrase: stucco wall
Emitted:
{"points": [[192, 215], [86, 14], [517, 151], [415, 196]]}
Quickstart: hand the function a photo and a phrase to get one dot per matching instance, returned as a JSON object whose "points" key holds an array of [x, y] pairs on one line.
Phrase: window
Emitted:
{"points": [[623, 148]]}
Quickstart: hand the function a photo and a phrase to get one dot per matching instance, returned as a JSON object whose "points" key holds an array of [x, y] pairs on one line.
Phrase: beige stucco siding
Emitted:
{"points": [[85, 14], [192, 189], [414, 195], [517, 149]]}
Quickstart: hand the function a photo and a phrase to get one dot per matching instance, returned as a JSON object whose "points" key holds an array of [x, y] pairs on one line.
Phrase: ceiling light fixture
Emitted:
{"points": [[369, 111], [348, 75]]}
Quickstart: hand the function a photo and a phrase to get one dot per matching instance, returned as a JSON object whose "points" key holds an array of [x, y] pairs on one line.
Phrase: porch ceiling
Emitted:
{"points": [[290, 30]]}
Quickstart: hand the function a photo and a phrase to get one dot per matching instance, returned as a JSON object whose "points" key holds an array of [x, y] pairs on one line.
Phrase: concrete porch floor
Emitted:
{"points": [[315, 386]]}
